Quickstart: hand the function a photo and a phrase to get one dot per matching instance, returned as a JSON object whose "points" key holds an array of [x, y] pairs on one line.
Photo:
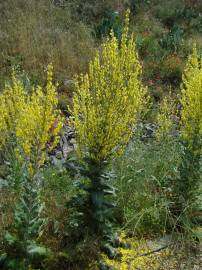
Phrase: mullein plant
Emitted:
{"points": [[107, 104], [30, 126], [191, 137], [186, 187]]}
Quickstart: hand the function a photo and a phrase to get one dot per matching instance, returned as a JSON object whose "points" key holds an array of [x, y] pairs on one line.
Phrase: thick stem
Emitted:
{"points": [[101, 213]]}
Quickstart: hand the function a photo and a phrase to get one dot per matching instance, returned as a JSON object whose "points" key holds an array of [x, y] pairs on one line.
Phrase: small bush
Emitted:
{"points": [[111, 21], [173, 40], [171, 69]]}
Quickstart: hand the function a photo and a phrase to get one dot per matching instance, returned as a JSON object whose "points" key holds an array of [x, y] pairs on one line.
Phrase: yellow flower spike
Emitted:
{"points": [[108, 99], [33, 120], [191, 102]]}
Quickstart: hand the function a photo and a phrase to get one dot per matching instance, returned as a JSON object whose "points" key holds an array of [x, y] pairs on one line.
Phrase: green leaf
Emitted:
{"points": [[37, 251], [9, 238]]}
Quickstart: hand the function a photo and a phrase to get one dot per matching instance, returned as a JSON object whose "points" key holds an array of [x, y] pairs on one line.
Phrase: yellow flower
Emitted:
{"points": [[107, 101], [131, 258], [191, 102], [32, 121]]}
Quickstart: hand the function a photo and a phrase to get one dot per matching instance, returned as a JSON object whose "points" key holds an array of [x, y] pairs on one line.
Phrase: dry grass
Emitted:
{"points": [[35, 33]]}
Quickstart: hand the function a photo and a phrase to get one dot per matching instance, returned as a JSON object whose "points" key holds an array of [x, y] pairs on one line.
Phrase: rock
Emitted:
{"points": [[159, 243], [68, 83], [56, 162], [72, 141], [58, 154], [66, 145]]}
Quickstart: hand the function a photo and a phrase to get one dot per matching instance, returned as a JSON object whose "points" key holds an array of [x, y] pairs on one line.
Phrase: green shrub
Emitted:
{"points": [[135, 5], [90, 11], [168, 12], [111, 21], [173, 40], [147, 45], [171, 68]]}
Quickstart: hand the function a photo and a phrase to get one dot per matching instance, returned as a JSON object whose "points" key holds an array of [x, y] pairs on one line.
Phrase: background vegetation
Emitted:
{"points": [[51, 206]]}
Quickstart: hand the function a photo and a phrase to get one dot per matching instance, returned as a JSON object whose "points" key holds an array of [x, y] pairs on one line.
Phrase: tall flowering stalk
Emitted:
{"points": [[30, 124], [106, 106], [191, 137]]}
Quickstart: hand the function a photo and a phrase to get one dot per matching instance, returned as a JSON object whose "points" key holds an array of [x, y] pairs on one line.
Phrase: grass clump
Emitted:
{"points": [[145, 181]]}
